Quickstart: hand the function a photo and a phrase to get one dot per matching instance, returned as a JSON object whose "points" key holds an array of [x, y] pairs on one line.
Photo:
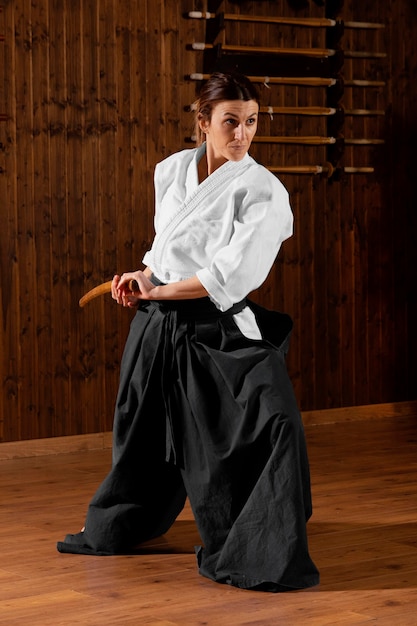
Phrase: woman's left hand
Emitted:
{"points": [[122, 292]]}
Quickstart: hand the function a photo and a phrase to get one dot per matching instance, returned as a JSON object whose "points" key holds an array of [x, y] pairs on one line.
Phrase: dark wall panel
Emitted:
{"points": [[93, 94]]}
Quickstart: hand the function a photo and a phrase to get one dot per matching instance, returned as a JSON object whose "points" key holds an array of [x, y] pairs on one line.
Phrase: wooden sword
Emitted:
{"points": [[104, 288]]}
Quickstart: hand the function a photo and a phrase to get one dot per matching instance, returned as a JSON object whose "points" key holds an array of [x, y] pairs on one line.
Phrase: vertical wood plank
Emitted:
{"points": [[60, 220], [82, 335], [97, 130], [43, 411], [111, 113], [11, 398], [25, 425]]}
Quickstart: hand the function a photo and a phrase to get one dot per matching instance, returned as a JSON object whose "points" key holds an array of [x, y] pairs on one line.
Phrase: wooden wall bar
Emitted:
{"points": [[93, 95]]}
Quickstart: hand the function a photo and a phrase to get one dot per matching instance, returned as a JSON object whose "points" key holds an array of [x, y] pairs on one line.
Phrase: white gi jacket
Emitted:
{"points": [[226, 230]]}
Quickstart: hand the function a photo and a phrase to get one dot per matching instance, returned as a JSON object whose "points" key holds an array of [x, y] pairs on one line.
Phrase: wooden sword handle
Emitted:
{"points": [[104, 288]]}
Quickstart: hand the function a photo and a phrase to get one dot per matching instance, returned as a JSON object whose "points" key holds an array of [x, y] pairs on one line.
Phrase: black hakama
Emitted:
{"points": [[205, 412]]}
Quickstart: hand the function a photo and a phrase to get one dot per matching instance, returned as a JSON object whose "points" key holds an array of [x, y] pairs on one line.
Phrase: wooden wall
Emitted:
{"points": [[94, 95]]}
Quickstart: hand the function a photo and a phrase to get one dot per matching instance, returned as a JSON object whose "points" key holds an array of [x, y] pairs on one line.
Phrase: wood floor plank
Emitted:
{"points": [[363, 537]]}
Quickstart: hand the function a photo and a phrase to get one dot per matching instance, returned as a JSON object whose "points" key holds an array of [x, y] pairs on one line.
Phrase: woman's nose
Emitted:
{"points": [[239, 131]]}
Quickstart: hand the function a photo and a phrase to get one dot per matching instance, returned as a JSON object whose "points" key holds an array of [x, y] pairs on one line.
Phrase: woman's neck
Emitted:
{"points": [[209, 164], [202, 169]]}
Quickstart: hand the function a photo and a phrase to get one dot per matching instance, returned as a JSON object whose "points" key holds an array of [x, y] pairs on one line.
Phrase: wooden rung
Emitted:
{"points": [[296, 169], [317, 169], [309, 52], [364, 112], [363, 25], [358, 170], [3, 117], [295, 21], [271, 19], [309, 81], [298, 110], [351, 141], [286, 110], [364, 83], [311, 140], [364, 54], [313, 81]]}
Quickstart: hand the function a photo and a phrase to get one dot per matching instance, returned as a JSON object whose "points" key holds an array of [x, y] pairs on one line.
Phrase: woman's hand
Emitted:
{"points": [[187, 289], [122, 293]]}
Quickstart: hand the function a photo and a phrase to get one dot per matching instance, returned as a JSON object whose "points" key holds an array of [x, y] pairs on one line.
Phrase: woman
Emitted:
{"points": [[205, 407]]}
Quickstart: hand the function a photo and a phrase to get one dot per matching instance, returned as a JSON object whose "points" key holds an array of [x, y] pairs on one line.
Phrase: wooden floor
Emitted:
{"points": [[363, 537]]}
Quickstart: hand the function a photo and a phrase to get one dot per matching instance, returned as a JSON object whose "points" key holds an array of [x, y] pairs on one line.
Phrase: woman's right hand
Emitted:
{"points": [[121, 292]]}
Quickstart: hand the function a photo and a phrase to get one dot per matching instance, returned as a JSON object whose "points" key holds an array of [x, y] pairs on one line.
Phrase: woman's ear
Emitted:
{"points": [[203, 124]]}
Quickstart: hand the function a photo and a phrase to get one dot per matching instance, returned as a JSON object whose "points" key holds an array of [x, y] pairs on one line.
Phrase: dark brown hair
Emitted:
{"points": [[221, 87]]}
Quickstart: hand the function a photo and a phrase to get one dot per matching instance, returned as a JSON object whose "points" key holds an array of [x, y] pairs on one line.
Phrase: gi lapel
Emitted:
{"points": [[212, 184]]}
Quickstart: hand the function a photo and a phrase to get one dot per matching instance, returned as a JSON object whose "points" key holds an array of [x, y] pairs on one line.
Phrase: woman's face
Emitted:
{"points": [[230, 131]]}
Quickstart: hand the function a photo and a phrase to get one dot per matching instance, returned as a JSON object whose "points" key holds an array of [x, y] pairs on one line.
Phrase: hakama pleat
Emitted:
{"points": [[204, 412]]}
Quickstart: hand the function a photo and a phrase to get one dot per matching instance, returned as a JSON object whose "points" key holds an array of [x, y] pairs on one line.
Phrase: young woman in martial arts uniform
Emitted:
{"points": [[205, 408]]}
